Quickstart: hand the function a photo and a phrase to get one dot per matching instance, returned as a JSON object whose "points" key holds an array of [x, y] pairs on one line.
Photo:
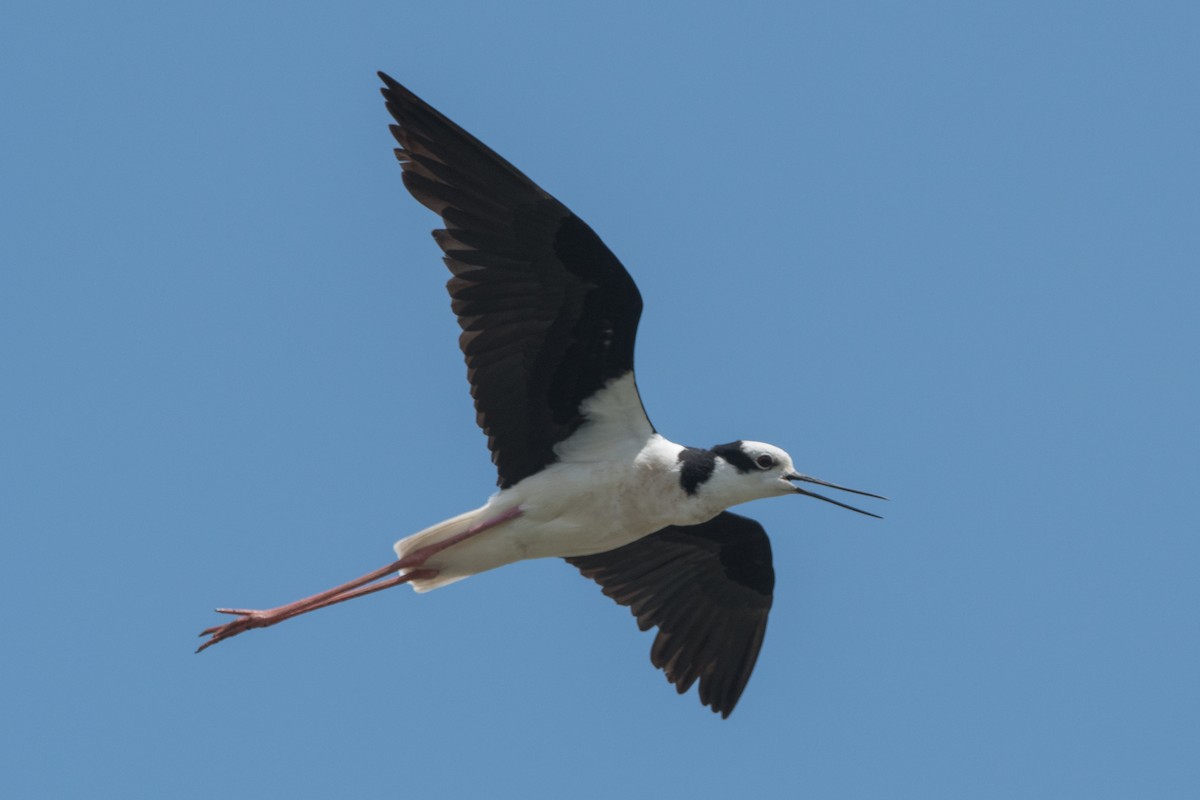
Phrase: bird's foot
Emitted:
{"points": [[368, 584], [410, 568], [246, 620]]}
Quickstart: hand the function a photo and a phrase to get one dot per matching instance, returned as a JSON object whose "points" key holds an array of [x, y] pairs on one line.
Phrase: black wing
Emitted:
{"points": [[548, 313], [708, 589]]}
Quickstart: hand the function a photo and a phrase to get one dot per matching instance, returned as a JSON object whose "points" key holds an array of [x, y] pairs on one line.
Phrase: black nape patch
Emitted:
{"points": [[698, 466], [735, 456]]}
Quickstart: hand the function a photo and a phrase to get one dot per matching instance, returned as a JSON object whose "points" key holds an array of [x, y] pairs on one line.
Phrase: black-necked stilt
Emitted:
{"points": [[549, 317]]}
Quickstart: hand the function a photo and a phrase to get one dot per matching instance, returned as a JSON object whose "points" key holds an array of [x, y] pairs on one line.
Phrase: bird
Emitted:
{"points": [[549, 317]]}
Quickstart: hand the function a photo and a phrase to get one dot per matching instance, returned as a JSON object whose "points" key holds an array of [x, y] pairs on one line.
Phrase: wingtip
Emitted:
{"points": [[391, 87]]}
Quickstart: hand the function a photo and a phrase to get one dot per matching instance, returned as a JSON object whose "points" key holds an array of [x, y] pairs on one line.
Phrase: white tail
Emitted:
{"points": [[447, 573]]}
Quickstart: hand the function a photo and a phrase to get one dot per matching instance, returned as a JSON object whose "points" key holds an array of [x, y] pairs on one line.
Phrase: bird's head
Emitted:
{"points": [[764, 470]]}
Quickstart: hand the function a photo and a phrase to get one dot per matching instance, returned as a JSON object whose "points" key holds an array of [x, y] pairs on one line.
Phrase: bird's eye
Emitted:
{"points": [[764, 461]]}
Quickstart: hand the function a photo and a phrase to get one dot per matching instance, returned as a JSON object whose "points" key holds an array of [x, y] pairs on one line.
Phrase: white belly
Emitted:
{"points": [[568, 509]]}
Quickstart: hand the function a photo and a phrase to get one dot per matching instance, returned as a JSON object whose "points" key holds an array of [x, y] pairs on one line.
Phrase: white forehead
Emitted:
{"points": [[754, 449]]}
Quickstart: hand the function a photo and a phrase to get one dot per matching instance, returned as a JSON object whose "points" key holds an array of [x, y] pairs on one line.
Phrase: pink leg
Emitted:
{"points": [[367, 584]]}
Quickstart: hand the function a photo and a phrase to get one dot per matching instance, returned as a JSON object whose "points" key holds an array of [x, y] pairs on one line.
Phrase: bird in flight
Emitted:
{"points": [[548, 317]]}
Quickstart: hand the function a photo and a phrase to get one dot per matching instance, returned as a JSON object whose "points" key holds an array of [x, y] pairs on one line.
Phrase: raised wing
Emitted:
{"points": [[708, 589], [548, 313]]}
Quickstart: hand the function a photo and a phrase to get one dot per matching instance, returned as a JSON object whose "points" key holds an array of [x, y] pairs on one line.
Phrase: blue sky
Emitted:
{"points": [[946, 252]]}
